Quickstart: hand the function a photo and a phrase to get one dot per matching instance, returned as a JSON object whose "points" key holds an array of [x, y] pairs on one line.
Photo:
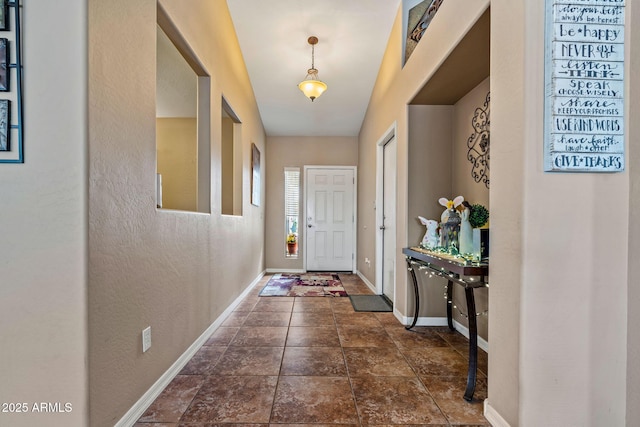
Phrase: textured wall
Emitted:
{"points": [[173, 271], [291, 151]]}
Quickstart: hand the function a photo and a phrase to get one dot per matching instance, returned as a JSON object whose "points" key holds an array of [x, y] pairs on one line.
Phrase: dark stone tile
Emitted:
{"points": [[173, 400], [203, 360], [312, 318], [249, 361], [395, 400], [368, 320], [270, 336], [448, 393], [235, 399], [274, 304], [418, 338], [359, 336], [313, 336], [342, 305], [314, 400], [268, 318], [382, 361], [222, 336], [313, 361], [236, 318], [312, 304], [437, 361]]}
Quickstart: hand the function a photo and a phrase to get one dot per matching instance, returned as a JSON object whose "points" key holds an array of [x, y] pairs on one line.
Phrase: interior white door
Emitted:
{"points": [[389, 219], [329, 219]]}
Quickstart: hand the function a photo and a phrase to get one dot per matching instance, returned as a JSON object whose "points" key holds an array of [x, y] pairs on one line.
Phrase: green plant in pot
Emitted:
{"points": [[478, 217]]}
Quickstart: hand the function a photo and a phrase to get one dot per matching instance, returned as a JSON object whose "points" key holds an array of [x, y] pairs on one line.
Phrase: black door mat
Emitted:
{"points": [[378, 303]]}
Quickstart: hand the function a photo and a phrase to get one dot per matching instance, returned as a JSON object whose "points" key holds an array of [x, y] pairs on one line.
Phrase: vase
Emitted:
{"points": [[292, 248], [480, 243], [465, 237]]}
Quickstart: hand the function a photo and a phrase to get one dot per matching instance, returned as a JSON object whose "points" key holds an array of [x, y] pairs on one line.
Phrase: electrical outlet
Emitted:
{"points": [[146, 339]]}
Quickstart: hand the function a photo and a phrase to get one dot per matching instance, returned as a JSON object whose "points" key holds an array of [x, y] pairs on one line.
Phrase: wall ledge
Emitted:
{"points": [[147, 399], [493, 416]]}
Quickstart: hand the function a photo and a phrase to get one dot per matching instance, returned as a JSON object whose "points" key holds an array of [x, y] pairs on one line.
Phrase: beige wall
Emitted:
{"points": [[438, 167], [633, 159], [558, 301], [291, 151], [173, 271], [177, 151], [43, 269]]}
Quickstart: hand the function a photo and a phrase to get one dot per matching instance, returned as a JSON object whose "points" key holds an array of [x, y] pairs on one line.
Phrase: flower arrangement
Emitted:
{"points": [[478, 216], [292, 238]]}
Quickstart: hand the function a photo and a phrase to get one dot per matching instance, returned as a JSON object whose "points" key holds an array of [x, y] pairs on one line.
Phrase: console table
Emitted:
{"points": [[469, 275]]}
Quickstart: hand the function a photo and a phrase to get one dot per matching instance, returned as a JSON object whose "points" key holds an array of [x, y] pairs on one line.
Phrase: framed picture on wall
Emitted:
{"points": [[4, 15], [255, 175], [5, 119], [4, 65]]}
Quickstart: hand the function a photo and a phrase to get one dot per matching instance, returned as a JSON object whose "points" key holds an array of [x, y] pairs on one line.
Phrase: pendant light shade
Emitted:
{"points": [[312, 86]]}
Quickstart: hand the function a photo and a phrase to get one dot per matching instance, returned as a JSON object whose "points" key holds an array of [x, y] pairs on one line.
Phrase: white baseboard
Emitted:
{"points": [[493, 416], [441, 321], [482, 343], [285, 270], [367, 282], [136, 411]]}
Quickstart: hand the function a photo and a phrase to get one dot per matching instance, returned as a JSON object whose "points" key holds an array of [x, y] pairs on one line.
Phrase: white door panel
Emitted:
{"points": [[330, 219], [389, 219]]}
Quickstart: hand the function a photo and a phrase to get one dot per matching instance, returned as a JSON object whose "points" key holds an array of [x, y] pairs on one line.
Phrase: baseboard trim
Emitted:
{"points": [[482, 343], [441, 321], [493, 416], [136, 411], [366, 282], [285, 270]]}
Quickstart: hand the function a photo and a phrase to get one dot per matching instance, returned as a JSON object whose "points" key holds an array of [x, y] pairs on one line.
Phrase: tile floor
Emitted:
{"points": [[314, 360]]}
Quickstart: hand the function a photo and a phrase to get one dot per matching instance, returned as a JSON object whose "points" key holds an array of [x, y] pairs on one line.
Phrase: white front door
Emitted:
{"points": [[329, 214], [389, 219]]}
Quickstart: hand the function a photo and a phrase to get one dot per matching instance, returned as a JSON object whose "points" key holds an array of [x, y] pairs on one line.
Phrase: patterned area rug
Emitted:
{"points": [[304, 285]]}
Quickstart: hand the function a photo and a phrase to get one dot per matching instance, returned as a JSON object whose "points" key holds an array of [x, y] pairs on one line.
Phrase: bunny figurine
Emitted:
{"points": [[431, 238]]}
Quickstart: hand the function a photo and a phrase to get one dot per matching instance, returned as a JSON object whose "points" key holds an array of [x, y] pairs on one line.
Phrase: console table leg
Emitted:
{"points": [[416, 295], [473, 345], [450, 304]]}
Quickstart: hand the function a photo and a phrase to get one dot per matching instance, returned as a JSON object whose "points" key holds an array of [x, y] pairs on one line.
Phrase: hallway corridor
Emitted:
{"points": [[314, 360]]}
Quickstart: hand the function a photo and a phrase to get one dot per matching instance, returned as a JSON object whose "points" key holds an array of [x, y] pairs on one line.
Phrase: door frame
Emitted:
{"points": [[387, 136], [355, 211]]}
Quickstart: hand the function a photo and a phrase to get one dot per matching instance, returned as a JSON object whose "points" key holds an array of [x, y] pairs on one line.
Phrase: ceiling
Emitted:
{"points": [[352, 39]]}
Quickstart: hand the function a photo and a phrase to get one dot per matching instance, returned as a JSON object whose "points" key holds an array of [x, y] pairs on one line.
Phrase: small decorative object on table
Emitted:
{"points": [[450, 225], [466, 235], [431, 238], [478, 217]]}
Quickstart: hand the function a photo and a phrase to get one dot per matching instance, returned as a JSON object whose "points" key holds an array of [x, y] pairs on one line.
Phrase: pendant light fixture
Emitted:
{"points": [[312, 86]]}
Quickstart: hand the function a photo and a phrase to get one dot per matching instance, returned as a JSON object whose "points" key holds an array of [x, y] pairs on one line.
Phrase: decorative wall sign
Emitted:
{"points": [[478, 143], [584, 73], [11, 108]]}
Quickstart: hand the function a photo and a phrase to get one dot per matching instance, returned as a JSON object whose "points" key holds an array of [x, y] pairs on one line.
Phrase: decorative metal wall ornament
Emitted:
{"points": [[478, 143]]}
